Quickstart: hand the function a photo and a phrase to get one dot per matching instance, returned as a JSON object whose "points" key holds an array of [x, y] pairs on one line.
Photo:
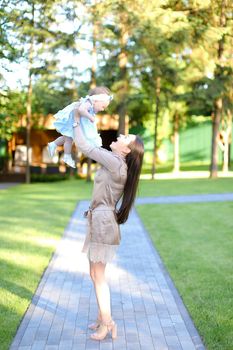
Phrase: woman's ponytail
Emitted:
{"points": [[134, 162]]}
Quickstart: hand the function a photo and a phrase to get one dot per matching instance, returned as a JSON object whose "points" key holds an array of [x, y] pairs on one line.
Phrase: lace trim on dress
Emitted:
{"points": [[99, 252]]}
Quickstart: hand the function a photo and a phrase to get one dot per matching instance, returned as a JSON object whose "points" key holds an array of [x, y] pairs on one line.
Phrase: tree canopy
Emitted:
{"points": [[185, 46]]}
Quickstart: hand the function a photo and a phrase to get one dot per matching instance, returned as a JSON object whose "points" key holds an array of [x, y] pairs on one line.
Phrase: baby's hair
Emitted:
{"points": [[99, 90]]}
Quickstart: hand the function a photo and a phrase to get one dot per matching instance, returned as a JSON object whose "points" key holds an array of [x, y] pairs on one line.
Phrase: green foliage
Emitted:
{"points": [[176, 41], [12, 107], [48, 99], [210, 71], [8, 51]]}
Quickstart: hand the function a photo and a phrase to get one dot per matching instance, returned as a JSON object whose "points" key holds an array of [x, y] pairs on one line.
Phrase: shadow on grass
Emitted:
{"points": [[20, 290]]}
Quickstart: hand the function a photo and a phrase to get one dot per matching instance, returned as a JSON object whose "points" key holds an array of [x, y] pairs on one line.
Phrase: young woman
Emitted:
{"points": [[116, 179]]}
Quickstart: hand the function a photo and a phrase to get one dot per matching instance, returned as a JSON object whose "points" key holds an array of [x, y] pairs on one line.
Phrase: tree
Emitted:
{"points": [[161, 38], [211, 71], [36, 33]]}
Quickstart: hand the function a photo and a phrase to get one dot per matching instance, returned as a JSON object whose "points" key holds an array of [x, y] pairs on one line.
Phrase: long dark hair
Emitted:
{"points": [[134, 162]]}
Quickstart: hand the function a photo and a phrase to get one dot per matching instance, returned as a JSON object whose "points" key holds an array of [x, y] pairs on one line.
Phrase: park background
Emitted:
{"points": [[169, 67]]}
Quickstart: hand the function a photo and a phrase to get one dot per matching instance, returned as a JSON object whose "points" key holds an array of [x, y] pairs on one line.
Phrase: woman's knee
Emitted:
{"points": [[92, 274], [97, 272]]}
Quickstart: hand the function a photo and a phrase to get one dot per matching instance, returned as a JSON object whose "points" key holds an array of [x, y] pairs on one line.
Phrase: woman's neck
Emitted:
{"points": [[122, 155]]}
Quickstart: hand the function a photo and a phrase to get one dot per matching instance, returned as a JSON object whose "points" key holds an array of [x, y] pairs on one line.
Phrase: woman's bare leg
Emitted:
{"points": [[103, 298], [97, 272]]}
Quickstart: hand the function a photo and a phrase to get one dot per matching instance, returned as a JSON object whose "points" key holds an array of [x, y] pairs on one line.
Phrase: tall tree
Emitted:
{"points": [[210, 69], [30, 30], [36, 33], [218, 103], [160, 40], [119, 25]]}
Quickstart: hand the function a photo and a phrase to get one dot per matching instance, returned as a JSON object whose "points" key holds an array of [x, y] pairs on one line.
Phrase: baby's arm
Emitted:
{"points": [[82, 110]]}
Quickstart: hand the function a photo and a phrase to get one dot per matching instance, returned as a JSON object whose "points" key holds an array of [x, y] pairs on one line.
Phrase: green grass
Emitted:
{"points": [[196, 244], [33, 218], [189, 166], [150, 188]]}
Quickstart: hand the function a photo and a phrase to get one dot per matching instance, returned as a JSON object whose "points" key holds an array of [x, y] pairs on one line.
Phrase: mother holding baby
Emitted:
{"points": [[116, 180]]}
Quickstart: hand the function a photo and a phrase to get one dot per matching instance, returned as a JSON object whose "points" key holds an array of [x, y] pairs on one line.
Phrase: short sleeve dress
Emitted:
{"points": [[65, 119], [103, 233]]}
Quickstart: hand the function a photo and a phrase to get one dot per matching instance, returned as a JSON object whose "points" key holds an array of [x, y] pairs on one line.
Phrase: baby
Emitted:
{"points": [[97, 100]]}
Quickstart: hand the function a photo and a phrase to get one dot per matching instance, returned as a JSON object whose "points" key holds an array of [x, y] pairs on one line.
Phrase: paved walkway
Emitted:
{"points": [[147, 307], [5, 185]]}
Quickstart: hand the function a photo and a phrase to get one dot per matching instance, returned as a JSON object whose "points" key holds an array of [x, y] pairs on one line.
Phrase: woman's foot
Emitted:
{"points": [[103, 330], [95, 325], [68, 160]]}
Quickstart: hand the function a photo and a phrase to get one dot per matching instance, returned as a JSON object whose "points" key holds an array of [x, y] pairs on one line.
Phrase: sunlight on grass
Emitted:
{"points": [[150, 188], [33, 218], [195, 243]]}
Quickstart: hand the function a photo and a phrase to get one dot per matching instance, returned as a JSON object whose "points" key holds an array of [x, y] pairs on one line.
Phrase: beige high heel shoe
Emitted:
{"points": [[104, 329], [95, 325]]}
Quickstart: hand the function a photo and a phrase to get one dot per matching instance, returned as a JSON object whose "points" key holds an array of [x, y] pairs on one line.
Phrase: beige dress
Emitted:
{"points": [[103, 233]]}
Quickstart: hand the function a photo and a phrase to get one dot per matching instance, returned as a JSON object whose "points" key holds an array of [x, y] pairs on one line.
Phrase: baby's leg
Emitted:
{"points": [[67, 144], [67, 152], [60, 141], [53, 145]]}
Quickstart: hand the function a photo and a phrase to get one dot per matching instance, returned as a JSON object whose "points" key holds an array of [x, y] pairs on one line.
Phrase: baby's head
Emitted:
{"points": [[100, 97]]}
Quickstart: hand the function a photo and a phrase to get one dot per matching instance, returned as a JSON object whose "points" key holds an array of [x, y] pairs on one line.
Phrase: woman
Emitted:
{"points": [[117, 178]]}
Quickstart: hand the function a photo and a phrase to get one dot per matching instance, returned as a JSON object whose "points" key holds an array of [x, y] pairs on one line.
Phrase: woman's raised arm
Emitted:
{"points": [[100, 155]]}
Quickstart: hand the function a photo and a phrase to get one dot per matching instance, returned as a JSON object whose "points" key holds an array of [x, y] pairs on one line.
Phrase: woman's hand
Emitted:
{"points": [[81, 110], [84, 113], [76, 116], [91, 118]]}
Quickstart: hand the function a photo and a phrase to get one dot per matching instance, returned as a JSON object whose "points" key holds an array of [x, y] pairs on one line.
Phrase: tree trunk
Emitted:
{"points": [[123, 59], [157, 94], [29, 104], [218, 103], [176, 165], [227, 141], [215, 131], [122, 116], [94, 55], [74, 88], [93, 75]]}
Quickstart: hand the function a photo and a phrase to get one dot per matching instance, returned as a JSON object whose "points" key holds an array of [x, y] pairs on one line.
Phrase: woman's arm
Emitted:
{"points": [[100, 155]]}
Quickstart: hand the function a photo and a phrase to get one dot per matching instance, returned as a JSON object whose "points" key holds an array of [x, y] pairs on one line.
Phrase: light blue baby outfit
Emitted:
{"points": [[65, 119]]}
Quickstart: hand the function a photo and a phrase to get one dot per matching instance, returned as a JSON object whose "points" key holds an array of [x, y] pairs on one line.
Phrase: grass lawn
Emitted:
{"points": [[168, 167], [150, 188], [32, 220], [195, 242]]}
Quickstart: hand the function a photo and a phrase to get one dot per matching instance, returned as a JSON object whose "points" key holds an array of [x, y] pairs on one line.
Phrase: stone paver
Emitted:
{"points": [[145, 304], [5, 185], [195, 198]]}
